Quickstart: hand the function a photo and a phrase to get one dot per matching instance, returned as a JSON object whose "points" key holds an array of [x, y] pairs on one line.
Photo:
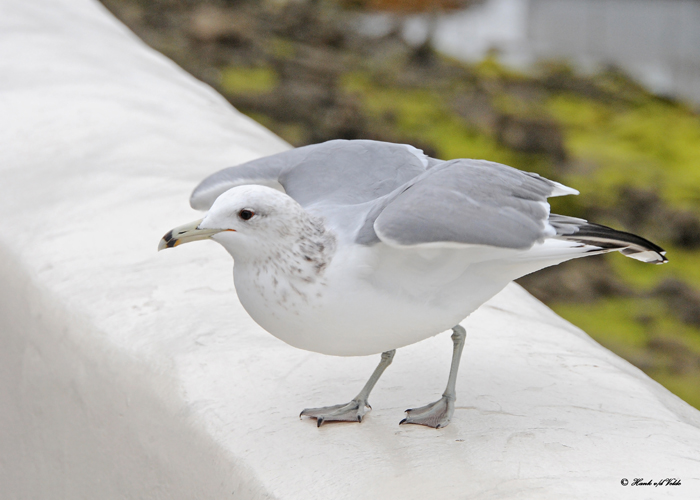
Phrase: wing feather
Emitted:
{"points": [[472, 202], [340, 172]]}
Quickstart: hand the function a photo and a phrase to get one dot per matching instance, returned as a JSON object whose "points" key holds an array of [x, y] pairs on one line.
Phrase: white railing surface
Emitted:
{"points": [[125, 373]]}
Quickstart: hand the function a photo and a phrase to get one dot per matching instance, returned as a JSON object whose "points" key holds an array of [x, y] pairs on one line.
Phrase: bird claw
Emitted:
{"points": [[354, 411], [435, 415]]}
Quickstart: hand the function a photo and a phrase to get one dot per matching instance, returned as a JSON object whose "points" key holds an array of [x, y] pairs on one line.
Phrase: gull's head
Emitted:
{"points": [[244, 219]]}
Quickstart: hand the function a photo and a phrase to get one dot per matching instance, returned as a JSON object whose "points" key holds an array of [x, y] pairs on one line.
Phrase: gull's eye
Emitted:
{"points": [[246, 214]]}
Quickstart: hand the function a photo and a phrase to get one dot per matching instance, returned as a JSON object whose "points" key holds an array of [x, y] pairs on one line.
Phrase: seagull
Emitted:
{"points": [[353, 248]]}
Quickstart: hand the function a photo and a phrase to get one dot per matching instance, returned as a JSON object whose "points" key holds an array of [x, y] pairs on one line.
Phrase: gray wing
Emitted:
{"points": [[470, 202], [341, 172], [264, 171]]}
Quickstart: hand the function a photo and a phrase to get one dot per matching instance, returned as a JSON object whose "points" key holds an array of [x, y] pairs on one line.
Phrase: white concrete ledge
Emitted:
{"points": [[130, 374]]}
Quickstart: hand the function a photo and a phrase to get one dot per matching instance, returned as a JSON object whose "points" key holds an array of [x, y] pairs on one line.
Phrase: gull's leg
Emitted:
{"points": [[439, 413], [355, 409]]}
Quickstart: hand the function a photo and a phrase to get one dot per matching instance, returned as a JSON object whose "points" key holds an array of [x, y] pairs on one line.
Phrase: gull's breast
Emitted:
{"points": [[369, 299]]}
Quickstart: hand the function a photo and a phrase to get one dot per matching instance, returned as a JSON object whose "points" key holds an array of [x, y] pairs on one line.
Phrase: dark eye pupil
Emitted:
{"points": [[246, 214]]}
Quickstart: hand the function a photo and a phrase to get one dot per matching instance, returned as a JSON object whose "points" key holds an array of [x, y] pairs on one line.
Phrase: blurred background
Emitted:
{"points": [[602, 95]]}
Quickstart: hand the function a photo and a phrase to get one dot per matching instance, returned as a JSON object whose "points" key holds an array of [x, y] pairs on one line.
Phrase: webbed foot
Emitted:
{"points": [[353, 411], [435, 415]]}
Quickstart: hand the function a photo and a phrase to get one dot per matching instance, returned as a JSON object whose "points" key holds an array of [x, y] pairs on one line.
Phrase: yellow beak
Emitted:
{"points": [[186, 233]]}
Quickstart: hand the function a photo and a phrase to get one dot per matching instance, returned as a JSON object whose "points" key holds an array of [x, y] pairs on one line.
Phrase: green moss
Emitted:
{"points": [[668, 327], [515, 106], [682, 265], [612, 322], [490, 68], [684, 386], [356, 82], [424, 116], [246, 80], [282, 48], [294, 133], [651, 144], [641, 276]]}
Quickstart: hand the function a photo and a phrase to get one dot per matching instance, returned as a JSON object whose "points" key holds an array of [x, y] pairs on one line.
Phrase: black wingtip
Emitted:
{"points": [[607, 239]]}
